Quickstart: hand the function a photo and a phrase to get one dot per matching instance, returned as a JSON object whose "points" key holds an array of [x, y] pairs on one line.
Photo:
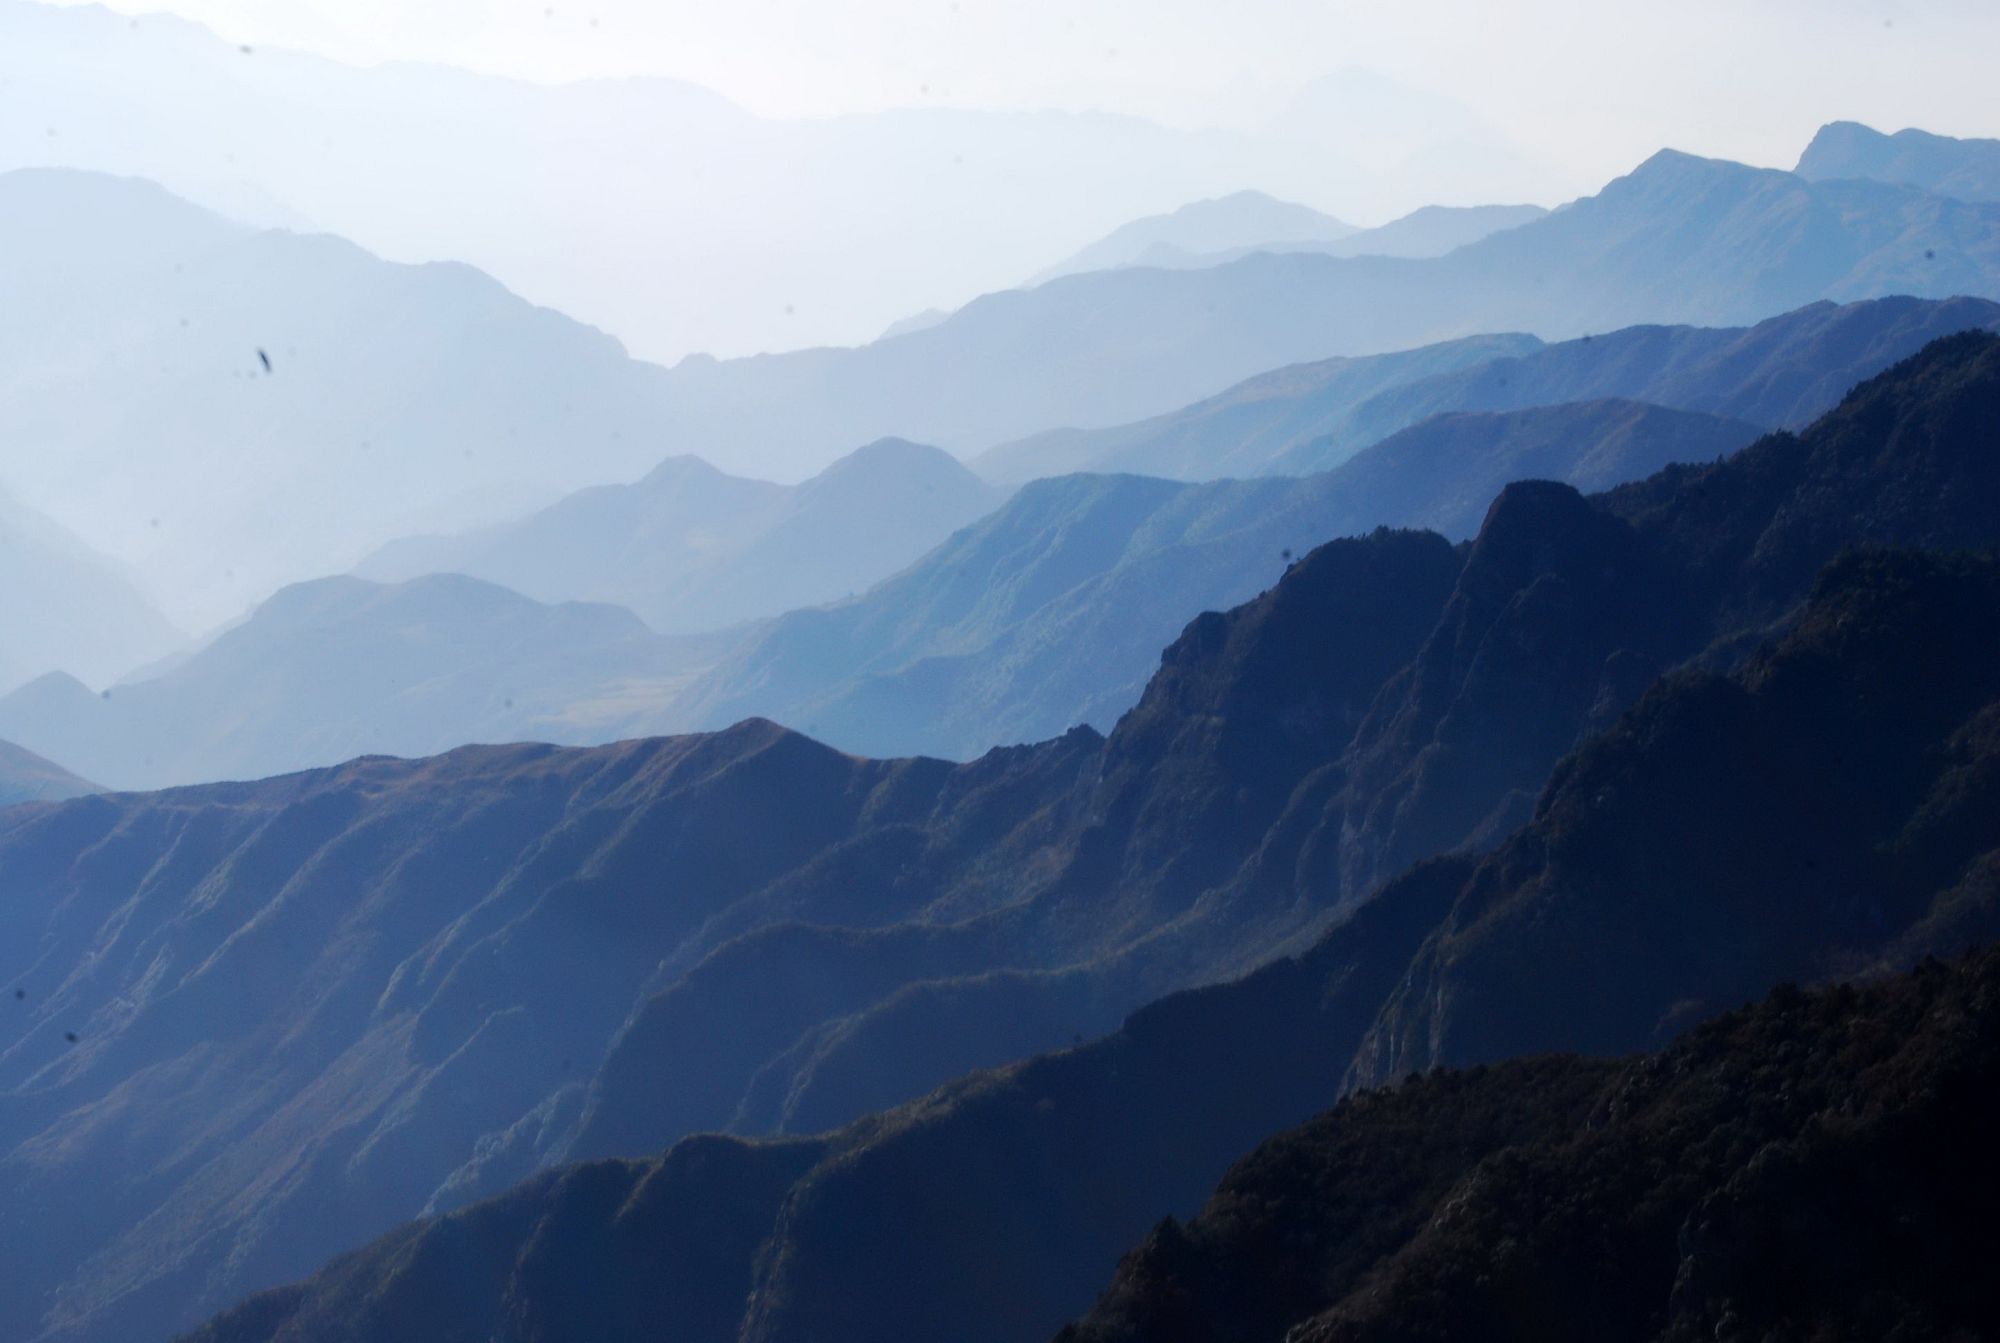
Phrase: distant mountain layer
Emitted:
{"points": [[1493, 1204], [26, 777], [410, 984], [64, 607], [1963, 169], [1678, 240], [1840, 778], [397, 398], [688, 548], [1245, 218], [1782, 373]]}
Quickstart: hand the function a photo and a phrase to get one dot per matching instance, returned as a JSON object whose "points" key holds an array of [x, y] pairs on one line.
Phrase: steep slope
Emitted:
{"points": [[1963, 169], [979, 1211], [397, 397], [328, 670], [688, 548], [1781, 374], [1242, 219], [1812, 1167], [66, 608], [26, 777]]}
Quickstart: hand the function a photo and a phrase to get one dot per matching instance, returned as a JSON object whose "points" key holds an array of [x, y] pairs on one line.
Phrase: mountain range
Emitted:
{"points": [[1678, 240], [689, 549], [1046, 613], [314, 1005], [995, 1207]]}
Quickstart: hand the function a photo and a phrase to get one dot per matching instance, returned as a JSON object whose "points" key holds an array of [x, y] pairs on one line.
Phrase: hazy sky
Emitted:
{"points": [[1590, 84]]}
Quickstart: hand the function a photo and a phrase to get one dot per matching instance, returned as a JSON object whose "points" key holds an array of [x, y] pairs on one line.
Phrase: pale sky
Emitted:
{"points": [[1593, 85]]}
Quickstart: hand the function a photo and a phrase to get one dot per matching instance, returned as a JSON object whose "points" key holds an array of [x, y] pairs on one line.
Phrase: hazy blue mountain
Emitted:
{"points": [[397, 398], [26, 777], [1678, 240], [1783, 372], [65, 607], [689, 548], [1238, 432], [606, 198], [1200, 228], [994, 1208], [340, 667], [1049, 613], [1430, 231], [1964, 169]]}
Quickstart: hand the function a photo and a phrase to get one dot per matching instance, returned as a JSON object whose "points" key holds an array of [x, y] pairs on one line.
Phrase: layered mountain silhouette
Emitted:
{"points": [[26, 777], [1782, 373], [397, 397], [688, 548], [1810, 1168], [594, 953], [65, 607], [1963, 169], [1049, 612], [981, 1211]]}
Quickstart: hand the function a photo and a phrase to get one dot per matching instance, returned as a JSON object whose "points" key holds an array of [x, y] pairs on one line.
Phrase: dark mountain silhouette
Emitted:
{"points": [[65, 607], [26, 777], [1782, 373], [339, 667], [1963, 169], [689, 548], [1814, 1167], [594, 953], [978, 1212]]}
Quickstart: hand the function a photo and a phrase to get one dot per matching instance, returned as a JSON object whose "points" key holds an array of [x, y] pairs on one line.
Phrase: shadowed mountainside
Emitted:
{"points": [[983, 1211], [1814, 1167], [293, 1029], [26, 777]]}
